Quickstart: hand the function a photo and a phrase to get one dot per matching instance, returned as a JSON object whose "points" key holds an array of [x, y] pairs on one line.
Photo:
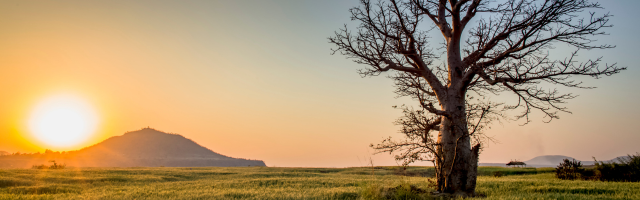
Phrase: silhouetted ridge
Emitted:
{"points": [[548, 160], [142, 148], [149, 143]]}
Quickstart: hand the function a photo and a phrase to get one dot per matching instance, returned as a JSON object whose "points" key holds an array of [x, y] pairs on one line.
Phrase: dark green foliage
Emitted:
{"points": [[569, 170], [589, 174], [624, 169]]}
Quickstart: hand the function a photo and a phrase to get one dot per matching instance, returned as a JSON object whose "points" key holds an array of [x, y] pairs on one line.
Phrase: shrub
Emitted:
{"points": [[624, 169], [589, 174], [53, 166], [56, 166], [569, 169], [39, 167]]}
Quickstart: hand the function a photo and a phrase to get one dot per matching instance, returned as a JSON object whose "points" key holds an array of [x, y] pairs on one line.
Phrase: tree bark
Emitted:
{"points": [[459, 163]]}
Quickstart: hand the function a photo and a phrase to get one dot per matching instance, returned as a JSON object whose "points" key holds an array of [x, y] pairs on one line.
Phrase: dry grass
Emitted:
{"points": [[286, 183]]}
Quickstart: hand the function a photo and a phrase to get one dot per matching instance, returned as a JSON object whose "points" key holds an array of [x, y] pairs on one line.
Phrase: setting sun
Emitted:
{"points": [[62, 121]]}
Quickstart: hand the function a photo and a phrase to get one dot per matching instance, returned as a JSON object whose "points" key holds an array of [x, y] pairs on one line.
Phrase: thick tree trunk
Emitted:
{"points": [[459, 162]]}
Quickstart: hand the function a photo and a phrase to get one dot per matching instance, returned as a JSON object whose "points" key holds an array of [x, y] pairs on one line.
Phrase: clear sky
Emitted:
{"points": [[255, 79]]}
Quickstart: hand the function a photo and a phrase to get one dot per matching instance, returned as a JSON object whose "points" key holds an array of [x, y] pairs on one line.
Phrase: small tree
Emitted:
{"points": [[569, 169], [505, 52]]}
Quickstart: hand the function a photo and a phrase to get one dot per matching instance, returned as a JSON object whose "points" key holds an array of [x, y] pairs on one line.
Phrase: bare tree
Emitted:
{"points": [[507, 51], [419, 125]]}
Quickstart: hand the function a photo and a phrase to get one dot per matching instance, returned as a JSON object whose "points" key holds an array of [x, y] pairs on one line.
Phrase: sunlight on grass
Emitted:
{"points": [[285, 183]]}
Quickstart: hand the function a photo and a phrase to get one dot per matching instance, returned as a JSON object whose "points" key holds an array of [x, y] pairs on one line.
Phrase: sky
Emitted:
{"points": [[256, 79]]}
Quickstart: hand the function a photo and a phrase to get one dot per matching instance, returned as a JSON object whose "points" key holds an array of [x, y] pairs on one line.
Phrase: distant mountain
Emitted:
{"points": [[553, 160], [143, 148], [149, 143]]}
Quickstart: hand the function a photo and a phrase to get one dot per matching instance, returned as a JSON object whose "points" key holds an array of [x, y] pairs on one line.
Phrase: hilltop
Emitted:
{"points": [[142, 148], [150, 143], [551, 160]]}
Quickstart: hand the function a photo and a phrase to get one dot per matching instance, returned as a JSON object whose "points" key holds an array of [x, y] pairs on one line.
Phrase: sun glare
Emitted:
{"points": [[63, 121]]}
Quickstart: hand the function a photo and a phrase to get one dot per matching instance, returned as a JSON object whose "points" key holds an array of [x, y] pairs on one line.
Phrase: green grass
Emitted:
{"points": [[285, 183]]}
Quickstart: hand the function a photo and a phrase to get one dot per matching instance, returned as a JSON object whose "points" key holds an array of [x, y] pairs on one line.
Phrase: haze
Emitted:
{"points": [[255, 79]]}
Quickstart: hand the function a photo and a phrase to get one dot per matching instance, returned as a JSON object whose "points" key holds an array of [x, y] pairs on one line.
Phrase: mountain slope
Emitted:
{"points": [[547, 160], [149, 143], [143, 148], [151, 148]]}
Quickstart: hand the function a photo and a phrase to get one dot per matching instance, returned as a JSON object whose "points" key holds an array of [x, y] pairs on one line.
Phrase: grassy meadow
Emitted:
{"points": [[287, 183]]}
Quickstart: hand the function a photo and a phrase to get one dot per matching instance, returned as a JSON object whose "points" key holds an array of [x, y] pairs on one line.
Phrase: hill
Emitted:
{"points": [[150, 143], [554, 160], [143, 148], [551, 161]]}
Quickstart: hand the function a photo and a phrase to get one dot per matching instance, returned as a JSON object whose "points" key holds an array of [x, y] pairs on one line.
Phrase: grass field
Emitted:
{"points": [[284, 183]]}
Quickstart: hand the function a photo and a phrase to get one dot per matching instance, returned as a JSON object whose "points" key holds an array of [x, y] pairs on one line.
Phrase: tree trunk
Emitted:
{"points": [[459, 161]]}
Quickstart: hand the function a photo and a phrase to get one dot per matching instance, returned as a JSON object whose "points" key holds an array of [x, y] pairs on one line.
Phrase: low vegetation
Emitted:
{"points": [[625, 169], [52, 166], [291, 183]]}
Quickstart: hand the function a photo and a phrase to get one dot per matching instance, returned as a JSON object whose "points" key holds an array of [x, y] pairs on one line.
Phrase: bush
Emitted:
{"points": [[624, 169], [39, 167], [53, 166], [569, 170], [589, 174]]}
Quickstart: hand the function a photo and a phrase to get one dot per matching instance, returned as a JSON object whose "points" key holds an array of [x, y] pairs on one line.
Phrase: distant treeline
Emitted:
{"points": [[46, 152]]}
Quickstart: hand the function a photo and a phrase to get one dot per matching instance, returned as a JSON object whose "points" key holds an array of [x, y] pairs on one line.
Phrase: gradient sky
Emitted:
{"points": [[255, 79]]}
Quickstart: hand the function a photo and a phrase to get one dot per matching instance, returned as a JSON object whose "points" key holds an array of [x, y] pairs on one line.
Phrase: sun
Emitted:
{"points": [[63, 121]]}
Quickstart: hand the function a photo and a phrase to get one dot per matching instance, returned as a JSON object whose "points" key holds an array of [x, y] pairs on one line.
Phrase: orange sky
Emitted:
{"points": [[256, 80]]}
